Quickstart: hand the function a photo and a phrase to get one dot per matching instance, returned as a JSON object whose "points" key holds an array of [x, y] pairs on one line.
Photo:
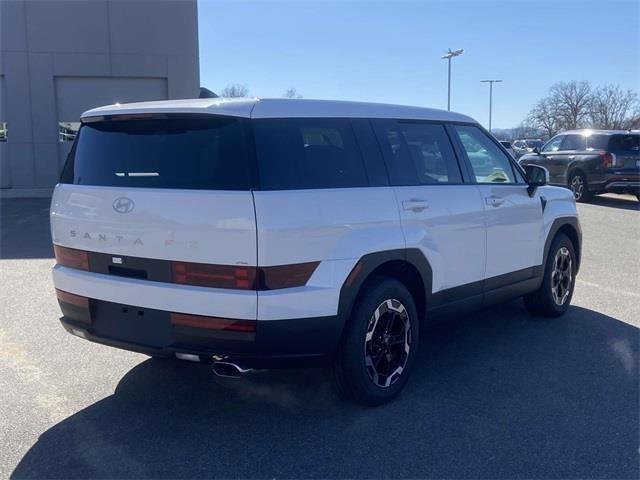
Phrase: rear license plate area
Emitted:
{"points": [[142, 326]]}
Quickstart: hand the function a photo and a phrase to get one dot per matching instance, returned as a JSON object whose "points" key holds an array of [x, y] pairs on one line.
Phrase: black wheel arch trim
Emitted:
{"points": [[556, 226], [368, 263]]}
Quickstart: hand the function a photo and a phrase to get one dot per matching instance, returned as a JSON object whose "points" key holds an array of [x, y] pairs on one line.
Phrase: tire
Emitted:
{"points": [[579, 186], [553, 297], [363, 372]]}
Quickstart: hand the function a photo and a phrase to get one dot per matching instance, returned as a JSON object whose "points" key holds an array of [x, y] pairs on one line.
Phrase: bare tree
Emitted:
{"points": [[235, 90], [545, 116], [291, 93], [573, 101], [613, 108]]}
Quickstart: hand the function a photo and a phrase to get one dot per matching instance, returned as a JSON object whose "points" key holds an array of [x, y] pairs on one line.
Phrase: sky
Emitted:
{"points": [[389, 51]]}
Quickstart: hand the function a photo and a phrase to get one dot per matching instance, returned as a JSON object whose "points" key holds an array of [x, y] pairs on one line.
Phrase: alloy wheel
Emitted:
{"points": [[387, 343], [577, 186], [561, 276]]}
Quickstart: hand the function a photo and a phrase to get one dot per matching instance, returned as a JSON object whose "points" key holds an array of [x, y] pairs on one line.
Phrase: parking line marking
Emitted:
{"points": [[607, 289]]}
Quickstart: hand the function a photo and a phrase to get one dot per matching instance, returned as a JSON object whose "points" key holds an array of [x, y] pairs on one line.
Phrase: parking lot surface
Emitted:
{"points": [[497, 394]]}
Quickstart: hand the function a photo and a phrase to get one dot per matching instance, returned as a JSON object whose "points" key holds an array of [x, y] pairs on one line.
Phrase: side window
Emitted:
{"points": [[307, 153], [489, 163], [418, 153], [574, 142], [553, 145]]}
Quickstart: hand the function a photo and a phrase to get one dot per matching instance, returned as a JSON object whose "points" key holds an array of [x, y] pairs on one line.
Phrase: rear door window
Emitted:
{"points": [[181, 152], [574, 143], [417, 153], [307, 153]]}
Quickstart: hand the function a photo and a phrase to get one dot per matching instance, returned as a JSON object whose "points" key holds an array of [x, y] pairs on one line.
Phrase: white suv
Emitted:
{"points": [[265, 233]]}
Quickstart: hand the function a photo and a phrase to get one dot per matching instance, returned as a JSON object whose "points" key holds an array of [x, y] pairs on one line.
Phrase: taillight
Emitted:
{"points": [[608, 159], [213, 323], [286, 276], [241, 277], [70, 257], [72, 299], [217, 276]]}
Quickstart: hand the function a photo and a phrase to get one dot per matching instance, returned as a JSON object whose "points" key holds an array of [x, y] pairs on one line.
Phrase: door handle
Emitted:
{"points": [[415, 204], [494, 201]]}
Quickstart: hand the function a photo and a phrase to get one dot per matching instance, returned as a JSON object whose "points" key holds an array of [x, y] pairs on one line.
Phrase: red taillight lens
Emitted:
{"points": [[217, 276], [286, 276], [70, 257], [608, 159], [213, 323], [241, 277], [76, 300]]}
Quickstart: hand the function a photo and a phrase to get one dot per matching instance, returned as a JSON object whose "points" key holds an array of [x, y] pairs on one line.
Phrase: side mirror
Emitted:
{"points": [[536, 150], [537, 176]]}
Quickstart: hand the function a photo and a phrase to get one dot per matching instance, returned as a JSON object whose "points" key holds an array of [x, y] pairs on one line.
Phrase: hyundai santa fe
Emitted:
{"points": [[259, 233]]}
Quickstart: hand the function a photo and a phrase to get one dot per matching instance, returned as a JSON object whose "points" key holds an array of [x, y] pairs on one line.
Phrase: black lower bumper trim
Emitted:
{"points": [[276, 344]]}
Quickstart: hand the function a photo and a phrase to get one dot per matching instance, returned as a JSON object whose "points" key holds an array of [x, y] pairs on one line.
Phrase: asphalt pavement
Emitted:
{"points": [[497, 394]]}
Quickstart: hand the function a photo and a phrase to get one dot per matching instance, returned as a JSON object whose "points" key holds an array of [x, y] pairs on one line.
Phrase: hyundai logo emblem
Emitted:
{"points": [[123, 205]]}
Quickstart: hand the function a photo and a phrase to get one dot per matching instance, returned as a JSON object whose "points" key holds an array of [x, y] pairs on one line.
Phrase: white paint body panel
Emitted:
{"points": [[515, 235], [217, 302], [450, 231], [560, 203], [334, 226], [188, 225]]}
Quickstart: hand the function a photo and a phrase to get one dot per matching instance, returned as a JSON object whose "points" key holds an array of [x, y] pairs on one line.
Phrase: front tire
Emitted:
{"points": [[553, 297], [579, 187], [379, 344]]}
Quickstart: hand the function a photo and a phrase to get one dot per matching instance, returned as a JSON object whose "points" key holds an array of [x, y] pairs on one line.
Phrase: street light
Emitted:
{"points": [[490, 82], [448, 56]]}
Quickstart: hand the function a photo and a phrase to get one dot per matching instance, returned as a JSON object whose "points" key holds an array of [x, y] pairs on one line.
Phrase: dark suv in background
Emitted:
{"points": [[590, 162]]}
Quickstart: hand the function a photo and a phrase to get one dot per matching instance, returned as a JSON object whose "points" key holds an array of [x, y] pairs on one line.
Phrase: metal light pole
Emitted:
{"points": [[490, 82], [448, 56]]}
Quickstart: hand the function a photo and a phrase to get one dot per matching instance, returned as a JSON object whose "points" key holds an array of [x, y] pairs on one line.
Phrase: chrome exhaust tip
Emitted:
{"points": [[228, 369]]}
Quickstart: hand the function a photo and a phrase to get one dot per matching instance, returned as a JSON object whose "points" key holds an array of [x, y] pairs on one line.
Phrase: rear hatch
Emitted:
{"points": [[626, 149], [164, 187]]}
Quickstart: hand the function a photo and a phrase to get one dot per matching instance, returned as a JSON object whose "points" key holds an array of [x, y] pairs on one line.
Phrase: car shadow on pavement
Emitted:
{"points": [[625, 202], [24, 228], [495, 395]]}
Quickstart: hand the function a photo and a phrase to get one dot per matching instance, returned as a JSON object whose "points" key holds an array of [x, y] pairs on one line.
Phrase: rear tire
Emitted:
{"points": [[553, 297], [579, 187], [379, 344]]}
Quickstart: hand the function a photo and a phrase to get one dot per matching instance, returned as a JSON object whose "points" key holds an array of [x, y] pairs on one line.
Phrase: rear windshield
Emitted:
{"points": [[624, 143], [183, 153]]}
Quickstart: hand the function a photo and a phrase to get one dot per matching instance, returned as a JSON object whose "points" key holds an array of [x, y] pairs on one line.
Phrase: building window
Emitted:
{"points": [[3, 131], [67, 131]]}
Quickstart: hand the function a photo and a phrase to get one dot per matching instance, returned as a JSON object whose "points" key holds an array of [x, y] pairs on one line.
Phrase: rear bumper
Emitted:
{"points": [[275, 344], [619, 181], [623, 187]]}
